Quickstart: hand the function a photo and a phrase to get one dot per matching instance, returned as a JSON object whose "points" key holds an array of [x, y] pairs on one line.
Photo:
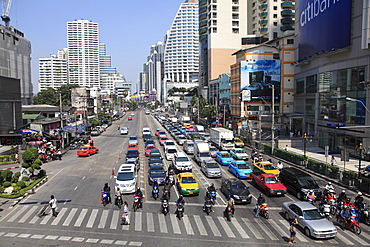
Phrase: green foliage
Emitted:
{"points": [[21, 192], [17, 174], [6, 184], [36, 166], [38, 161], [1, 180], [14, 179], [21, 184], [50, 96], [30, 155], [42, 173], [6, 174], [25, 179], [31, 170], [25, 165], [95, 122]]}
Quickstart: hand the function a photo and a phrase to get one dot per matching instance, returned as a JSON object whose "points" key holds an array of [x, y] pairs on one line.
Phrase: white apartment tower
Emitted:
{"points": [[53, 71], [181, 56], [83, 53]]}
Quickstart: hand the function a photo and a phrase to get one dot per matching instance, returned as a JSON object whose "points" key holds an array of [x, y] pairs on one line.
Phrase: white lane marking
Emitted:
{"points": [[150, 222], [65, 201], [51, 237], [115, 217], [107, 241], [162, 224], [120, 242], [127, 227], [76, 188], [81, 217], [70, 217], [175, 224], [188, 228], [344, 239], [103, 219], [213, 226], [19, 212], [59, 217], [37, 236], [252, 228], [138, 221], [200, 225], [83, 177], [239, 229], [284, 224], [358, 239], [24, 235], [226, 227], [135, 243], [77, 239], [11, 234], [93, 215], [92, 240], [266, 230], [28, 214]]}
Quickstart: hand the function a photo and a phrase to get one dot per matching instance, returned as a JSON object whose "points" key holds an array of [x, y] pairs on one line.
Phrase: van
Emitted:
{"points": [[181, 162], [188, 147], [126, 179], [298, 182], [201, 152]]}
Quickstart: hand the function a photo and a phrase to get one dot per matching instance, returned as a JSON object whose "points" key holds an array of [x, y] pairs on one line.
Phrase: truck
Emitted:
{"points": [[174, 120], [269, 183], [199, 129], [201, 152], [222, 138], [185, 120]]}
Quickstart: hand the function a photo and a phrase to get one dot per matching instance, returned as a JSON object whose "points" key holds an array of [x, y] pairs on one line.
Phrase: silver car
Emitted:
{"points": [[211, 169], [309, 218]]}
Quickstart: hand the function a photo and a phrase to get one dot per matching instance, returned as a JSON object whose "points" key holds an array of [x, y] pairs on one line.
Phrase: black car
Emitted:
{"points": [[150, 141], [299, 183], [156, 172], [155, 161], [132, 154], [237, 189], [147, 137], [155, 152]]}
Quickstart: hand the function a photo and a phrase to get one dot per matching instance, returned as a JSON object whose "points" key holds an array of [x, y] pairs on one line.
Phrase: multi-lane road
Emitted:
{"points": [[83, 221]]}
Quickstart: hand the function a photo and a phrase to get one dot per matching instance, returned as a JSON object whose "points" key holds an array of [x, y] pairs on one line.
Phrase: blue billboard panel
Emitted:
{"points": [[324, 25], [256, 78]]}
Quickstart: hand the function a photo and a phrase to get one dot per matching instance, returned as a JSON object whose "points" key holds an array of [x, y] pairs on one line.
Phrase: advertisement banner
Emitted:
{"points": [[324, 25], [256, 78]]}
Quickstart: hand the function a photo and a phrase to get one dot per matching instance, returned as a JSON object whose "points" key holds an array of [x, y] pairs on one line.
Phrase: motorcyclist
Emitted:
{"points": [[230, 203], [118, 126], [329, 187], [139, 193], [167, 187], [260, 200], [331, 196], [211, 188], [359, 201], [106, 189], [342, 197], [180, 201], [311, 195], [280, 165], [207, 198], [117, 195], [345, 215]]}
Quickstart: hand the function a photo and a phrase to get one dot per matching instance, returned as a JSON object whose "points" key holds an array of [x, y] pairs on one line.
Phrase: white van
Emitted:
{"points": [[126, 179], [146, 130], [188, 147], [201, 152]]}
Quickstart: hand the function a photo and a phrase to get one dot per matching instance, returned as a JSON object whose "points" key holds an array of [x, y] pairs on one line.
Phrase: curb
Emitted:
{"points": [[9, 168]]}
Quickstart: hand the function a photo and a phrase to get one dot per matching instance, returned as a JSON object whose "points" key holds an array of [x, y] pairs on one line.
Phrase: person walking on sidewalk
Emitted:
{"points": [[53, 205], [293, 232], [333, 161]]}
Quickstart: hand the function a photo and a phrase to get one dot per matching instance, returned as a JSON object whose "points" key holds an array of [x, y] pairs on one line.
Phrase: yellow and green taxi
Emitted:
{"points": [[187, 184], [267, 167], [238, 143]]}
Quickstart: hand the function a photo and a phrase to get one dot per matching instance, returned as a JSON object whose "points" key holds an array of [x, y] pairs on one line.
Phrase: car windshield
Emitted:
{"points": [[157, 171], [133, 138], [170, 143], [132, 145], [237, 140], [307, 182], [206, 136], [239, 151], [213, 149], [312, 215], [243, 166], [132, 152], [238, 186], [188, 180], [150, 147], [84, 149], [164, 138], [212, 165], [182, 159], [171, 151], [271, 180], [204, 155], [225, 155], [161, 133], [124, 176], [269, 167], [190, 145], [131, 161]]}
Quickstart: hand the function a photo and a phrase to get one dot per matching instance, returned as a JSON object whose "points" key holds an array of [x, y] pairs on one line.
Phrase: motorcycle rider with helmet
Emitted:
{"points": [[260, 200], [106, 190], [139, 193], [345, 215], [359, 201], [207, 197], [180, 201], [342, 197], [329, 187], [311, 195], [230, 203], [211, 188]]}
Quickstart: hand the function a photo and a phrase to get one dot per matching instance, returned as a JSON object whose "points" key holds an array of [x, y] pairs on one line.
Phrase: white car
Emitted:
{"points": [[181, 162], [124, 131], [169, 143], [170, 152], [126, 179]]}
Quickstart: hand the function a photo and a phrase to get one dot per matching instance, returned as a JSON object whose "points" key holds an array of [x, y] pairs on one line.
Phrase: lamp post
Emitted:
{"points": [[304, 145], [357, 100], [360, 148]]}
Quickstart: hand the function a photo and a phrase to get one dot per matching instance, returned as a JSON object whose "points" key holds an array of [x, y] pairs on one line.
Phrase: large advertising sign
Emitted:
{"points": [[324, 25], [257, 77]]}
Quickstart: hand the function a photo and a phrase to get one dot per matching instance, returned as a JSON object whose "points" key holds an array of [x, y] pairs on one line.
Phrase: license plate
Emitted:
{"points": [[279, 193], [190, 192], [244, 200]]}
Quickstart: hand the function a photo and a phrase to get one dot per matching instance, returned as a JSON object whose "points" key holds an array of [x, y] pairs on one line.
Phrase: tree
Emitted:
{"points": [[50, 96], [30, 155]]}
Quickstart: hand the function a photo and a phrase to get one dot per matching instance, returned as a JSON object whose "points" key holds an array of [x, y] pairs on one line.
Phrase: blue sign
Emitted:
{"points": [[324, 25]]}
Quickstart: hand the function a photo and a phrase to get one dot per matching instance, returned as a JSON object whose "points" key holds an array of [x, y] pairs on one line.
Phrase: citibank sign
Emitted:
{"points": [[323, 25]]}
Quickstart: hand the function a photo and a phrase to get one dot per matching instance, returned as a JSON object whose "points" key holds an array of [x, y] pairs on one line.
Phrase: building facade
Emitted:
{"points": [[53, 71]]}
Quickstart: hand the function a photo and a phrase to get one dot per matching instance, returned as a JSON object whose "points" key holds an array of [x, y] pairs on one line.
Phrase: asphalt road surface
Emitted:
{"points": [[82, 220]]}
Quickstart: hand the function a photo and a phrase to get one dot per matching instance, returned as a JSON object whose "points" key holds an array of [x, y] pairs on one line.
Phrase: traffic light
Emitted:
{"points": [[8, 140]]}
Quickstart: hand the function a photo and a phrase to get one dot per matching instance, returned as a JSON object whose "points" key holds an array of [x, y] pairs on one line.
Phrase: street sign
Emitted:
{"points": [[8, 140]]}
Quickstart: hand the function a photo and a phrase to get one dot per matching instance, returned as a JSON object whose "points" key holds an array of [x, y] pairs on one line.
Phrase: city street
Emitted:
{"points": [[82, 220]]}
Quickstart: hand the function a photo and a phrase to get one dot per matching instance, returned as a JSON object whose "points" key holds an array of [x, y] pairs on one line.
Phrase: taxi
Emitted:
{"points": [[87, 151], [187, 184], [238, 143], [267, 167]]}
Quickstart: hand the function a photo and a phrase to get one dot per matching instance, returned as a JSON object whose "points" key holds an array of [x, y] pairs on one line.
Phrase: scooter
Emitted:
{"points": [[166, 193], [105, 199], [213, 196], [137, 203], [172, 179], [333, 207], [119, 201], [325, 210], [208, 206], [228, 213], [350, 224], [180, 211], [165, 208], [364, 215], [155, 192], [264, 210]]}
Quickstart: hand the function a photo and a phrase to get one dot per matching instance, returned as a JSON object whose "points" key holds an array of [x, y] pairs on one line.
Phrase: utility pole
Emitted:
{"points": [[198, 110], [224, 115], [61, 120], [273, 119]]}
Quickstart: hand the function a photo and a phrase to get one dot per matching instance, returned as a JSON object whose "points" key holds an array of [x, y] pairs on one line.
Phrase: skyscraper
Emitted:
{"points": [[181, 56], [83, 53], [53, 71]]}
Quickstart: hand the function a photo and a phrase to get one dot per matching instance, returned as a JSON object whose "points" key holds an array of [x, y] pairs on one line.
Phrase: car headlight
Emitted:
{"points": [[117, 185], [237, 197], [305, 191], [197, 188], [132, 184]]}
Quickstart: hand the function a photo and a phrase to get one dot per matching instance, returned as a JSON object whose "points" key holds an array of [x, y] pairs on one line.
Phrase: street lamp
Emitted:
{"points": [[360, 148], [351, 99], [305, 140]]}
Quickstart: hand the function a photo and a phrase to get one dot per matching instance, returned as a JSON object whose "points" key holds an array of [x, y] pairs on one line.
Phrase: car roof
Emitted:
{"points": [[296, 171], [238, 149], [126, 168], [234, 180], [303, 205], [181, 154], [156, 167], [186, 174]]}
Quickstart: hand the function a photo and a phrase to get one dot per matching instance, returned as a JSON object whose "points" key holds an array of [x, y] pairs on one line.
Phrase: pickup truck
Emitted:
{"points": [[269, 183]]}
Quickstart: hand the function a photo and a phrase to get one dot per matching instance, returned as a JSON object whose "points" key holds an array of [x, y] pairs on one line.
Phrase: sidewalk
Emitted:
{"points": [[316, 153]]}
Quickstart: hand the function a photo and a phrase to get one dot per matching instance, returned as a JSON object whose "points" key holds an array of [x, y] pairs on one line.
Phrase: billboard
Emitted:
{"points": [[256, 77], [324, 25]]}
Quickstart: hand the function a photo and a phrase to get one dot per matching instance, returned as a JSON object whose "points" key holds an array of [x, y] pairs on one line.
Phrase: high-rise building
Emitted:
{"points": [[105, 61], [181, 55], [53, 71], [83, 53], [15, 57]]}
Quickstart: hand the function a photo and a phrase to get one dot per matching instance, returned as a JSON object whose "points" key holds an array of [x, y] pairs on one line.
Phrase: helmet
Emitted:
{"points": [[229, 196], [261, 194], [138, 188], [311, 191], [329, 183], [331, 191], [181, 196], [212, 185], [359, 193], [106, 184], [343, 191], [348, 199]]}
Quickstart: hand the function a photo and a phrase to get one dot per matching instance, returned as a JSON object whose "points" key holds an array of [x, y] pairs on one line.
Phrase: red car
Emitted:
{"points": [[269, 183], [87, 151], [157, 132], [162, 140], [148, 149], [129, 118], [132, 146]]}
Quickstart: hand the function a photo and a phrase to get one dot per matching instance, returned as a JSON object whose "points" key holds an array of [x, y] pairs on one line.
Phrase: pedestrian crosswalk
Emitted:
{"points": [[202, 225]]}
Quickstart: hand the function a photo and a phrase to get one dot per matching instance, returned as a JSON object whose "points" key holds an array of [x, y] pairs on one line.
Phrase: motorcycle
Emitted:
{"points": [[172, 179], [325, 210], [333, 207], [364, 216], [165, 208], [166, 194], [180, 211], [264, 210], [350, 224], [137, 203], [155, 192], [105, 199], [228, 213], [119, 201], [208, 206], [213, 196]]}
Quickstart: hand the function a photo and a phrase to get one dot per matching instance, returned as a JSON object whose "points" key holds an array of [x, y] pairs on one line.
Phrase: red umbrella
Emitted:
{"points": [[35, 142]]}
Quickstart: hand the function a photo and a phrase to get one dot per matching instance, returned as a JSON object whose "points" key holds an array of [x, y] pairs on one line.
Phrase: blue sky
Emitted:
{"points": [[127, 27]]}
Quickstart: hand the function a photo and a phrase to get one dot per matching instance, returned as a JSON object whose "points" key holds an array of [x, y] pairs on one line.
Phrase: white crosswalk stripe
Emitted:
{"points": [[93, 215], [240, 229], [200, 225], [175, 224], [150, 222], [188, 228], [103, 219], [251, 227], [350, 237], [28, 214], [115, 218], [138, 221], [212, 224], [59, 217], [18, 213], [226, 227], [344, 239], [162, 223], [284, 223], [81, 217], [70, 217], [267, 230]]}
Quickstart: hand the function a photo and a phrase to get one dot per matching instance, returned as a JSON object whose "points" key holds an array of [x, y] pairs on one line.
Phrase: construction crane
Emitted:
{"points": [[6, 9]]}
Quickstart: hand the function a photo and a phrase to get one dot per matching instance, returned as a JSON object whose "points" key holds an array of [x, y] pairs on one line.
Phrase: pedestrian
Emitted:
{"points": [[293, 232], [280, 165], [53, 205], [59, 154], [125, 215], [333, 161], [17, 157], [91, 142], [286, 148]]}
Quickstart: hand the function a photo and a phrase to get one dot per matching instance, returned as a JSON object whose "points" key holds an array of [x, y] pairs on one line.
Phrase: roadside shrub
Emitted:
{"points": [[21, 184], [17, 174], [25, 179], [7, 175], [25, 165], [42, 173], [14, 179], [38, 161], [30, 155], [7, 184]]}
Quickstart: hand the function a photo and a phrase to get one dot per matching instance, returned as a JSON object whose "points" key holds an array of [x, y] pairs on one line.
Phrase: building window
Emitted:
{"points": [[214, 1], [311, 84], [214, 30], [275, 16], [235, 23], [235, 30], [275, 7], [214, 22], [235, 1], [276, 56], [275, 23], [214, 15], [299, 86], [214, 7], [235, 9], [275, 35], [235, 16], [290, 41]]}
